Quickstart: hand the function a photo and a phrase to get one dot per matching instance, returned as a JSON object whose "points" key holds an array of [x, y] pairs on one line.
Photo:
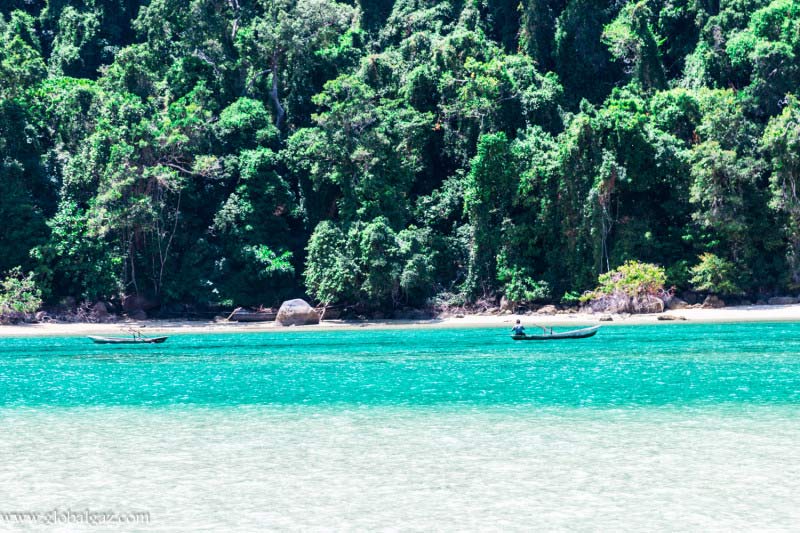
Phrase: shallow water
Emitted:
{"points": [[668, 427]]}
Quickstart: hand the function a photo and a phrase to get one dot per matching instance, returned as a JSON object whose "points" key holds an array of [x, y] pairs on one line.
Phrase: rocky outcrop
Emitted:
{"points": [[619, 303], [137, 315], [296, 312], [676, 303], [548, 310], [136, 302], [331, 313], [100, 310], [649, 304], [713, 302], [689, 297], [782, 300]]}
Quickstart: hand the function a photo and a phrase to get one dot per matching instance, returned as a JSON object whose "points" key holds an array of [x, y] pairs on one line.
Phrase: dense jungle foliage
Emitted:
{"points": [[395, 153]]}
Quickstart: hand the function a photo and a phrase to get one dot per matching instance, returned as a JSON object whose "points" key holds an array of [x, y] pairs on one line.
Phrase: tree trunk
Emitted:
{"points": [[279, 111]]}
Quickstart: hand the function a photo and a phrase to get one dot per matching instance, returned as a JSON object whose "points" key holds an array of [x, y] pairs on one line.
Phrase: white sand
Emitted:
{"points": [[755, 313]]}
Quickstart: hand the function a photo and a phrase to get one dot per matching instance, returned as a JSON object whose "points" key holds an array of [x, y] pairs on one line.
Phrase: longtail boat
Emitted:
{"points": [[127, 340], [572, 334]]}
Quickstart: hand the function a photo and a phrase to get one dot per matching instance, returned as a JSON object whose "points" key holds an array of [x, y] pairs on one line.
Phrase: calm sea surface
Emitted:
{"points": [[671, 427]]}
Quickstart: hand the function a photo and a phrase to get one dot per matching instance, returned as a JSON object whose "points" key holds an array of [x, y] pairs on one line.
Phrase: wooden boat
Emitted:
{"points": [[573, 334], [246, 315], [127, 340]]}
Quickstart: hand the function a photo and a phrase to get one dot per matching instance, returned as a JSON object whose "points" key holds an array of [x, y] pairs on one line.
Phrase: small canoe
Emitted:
{"points": [[246, 315], [127, 340], [573, 334]]}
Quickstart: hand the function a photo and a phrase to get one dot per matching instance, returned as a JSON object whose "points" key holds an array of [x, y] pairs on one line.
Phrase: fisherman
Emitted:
{"points": [[518, 329]]}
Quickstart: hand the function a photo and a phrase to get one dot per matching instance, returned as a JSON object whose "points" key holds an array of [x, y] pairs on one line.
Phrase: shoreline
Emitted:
{"points": [[739, 314]]}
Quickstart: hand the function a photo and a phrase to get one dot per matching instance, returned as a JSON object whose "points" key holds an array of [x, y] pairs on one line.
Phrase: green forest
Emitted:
{"points": [[396, 154]]}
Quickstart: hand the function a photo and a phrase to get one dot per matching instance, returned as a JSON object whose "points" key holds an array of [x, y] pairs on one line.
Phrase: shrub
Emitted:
{"points": [[634, 287], [446, 300], [19, 295], [633, 279], [521, 288], [571, 298], [715, 274], [678, 274]]}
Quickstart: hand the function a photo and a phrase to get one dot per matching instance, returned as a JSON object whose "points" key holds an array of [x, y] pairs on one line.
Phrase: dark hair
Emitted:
{"points": [[518, 321]]}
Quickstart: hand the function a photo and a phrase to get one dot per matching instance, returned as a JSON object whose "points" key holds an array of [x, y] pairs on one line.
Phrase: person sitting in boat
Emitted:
{"points": [[518, 329]]}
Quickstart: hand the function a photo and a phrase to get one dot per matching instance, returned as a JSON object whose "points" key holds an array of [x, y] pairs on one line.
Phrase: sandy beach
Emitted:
{"points": [[754, 313]]}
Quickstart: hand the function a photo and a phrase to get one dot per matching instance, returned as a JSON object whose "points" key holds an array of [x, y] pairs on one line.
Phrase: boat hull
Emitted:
{"points": [[574, 334], [117, 340], [253, 317]]}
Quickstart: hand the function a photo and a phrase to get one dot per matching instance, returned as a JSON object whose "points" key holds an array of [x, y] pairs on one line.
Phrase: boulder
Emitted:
{"points": [[782, 300], [677, 303], [606, 318], [506, 304], [296, 312], [548, 310], [713, 302]]}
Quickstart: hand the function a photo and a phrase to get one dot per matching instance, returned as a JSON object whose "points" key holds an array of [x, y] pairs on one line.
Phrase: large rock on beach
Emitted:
{"points": [[548, 310], [782, 300], [296, 312]]}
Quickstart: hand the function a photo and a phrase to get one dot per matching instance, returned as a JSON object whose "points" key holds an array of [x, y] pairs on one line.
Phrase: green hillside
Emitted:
{"points": [[396, 153]]}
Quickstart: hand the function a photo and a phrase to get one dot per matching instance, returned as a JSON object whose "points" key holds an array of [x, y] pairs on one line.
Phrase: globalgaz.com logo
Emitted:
{"points": [[70, 516]]}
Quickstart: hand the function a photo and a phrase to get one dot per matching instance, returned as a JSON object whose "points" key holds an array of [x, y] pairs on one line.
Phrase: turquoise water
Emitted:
{"points": [[667, 427], [677, 366]]}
